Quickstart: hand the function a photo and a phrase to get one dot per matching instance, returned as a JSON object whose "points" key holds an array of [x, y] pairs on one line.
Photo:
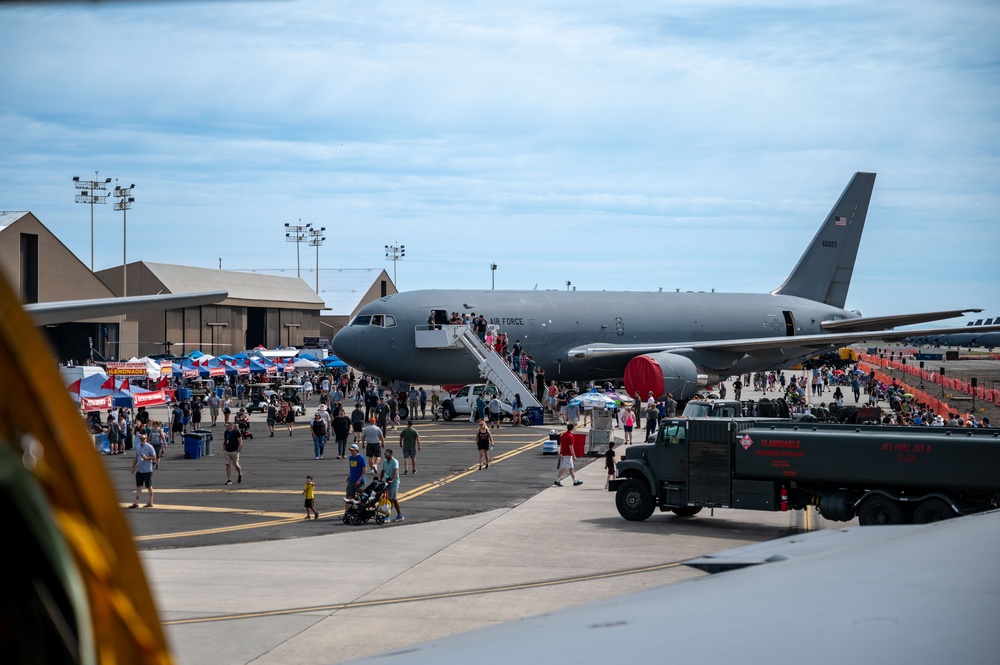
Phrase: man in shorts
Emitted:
{"points": [[142, 467], [409, 440], [567, 455], [390, 474], [232, 444], [374, 440]]}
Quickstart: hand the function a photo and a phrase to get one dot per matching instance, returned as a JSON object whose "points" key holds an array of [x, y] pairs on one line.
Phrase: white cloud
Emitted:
{"points": [[656, 145]]}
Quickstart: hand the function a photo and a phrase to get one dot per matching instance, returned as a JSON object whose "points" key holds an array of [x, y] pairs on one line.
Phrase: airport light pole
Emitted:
{"points": [[89, 193], [316, 238], [394, 253], [493, 276], [297, 233], [568, 284], [124, 203]]}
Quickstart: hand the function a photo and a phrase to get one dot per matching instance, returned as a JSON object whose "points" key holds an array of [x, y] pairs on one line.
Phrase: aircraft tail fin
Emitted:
{"points": [[824, 270]]}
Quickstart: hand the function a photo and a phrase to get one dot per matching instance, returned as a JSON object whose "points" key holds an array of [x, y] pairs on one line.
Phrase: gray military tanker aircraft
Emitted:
{"points": [[675, 343]]}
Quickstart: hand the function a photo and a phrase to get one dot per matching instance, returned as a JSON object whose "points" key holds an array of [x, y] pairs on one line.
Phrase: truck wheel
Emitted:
{"points": [[634, 500], [448, 411], [686, 511], [878, 510], [932, 510]]}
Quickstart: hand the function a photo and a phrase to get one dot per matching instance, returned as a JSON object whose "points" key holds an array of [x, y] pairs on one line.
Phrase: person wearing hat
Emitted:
{"points": [[374, 440], [319, 431], [357, 467], [938, 421]]}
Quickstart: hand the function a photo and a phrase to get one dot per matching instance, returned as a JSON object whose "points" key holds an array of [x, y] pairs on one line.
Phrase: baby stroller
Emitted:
{"points": [[364, 506]]}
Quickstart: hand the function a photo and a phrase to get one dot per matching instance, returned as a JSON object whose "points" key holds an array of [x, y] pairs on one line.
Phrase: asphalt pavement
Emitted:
{"points": [[240, 576]]}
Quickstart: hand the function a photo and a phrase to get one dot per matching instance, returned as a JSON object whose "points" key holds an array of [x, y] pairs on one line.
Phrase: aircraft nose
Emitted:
{"points": [[346, 345]]}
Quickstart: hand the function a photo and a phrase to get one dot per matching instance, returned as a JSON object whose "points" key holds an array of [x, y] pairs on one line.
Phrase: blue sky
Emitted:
{"points": [[639, 145]]}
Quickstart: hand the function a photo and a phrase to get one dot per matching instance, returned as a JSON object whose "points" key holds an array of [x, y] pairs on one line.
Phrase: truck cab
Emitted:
{"points": [[686, 468]]}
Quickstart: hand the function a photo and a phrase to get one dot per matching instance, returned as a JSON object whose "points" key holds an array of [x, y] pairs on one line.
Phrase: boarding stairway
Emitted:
{"points": [[492, 367]]}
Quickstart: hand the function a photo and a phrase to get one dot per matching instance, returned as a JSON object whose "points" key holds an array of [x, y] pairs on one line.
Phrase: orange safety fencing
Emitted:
{"points": [[933, 404], [984, 393]]}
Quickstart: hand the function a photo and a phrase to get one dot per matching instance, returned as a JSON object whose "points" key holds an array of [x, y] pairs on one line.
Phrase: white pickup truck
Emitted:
{"points": [[463, 402]]}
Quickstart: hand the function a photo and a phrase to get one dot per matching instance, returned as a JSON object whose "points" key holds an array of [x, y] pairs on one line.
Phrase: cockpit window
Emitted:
{"points": [[380, 320]]}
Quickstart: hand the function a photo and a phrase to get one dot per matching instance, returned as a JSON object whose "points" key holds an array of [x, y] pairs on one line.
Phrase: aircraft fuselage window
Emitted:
{"points": [[390, 321], [378, 320], [362, 320]]}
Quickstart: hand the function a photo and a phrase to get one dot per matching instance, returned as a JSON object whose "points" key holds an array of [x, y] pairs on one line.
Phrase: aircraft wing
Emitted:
{"points": [[75, 310], [910, 593], [871, 322], [751, 345]]}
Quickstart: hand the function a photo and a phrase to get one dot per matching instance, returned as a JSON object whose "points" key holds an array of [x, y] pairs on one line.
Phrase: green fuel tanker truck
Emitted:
{"points": [[880, 474]]}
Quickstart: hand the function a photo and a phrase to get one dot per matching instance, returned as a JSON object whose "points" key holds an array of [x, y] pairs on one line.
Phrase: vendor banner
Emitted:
{"points": [[89, 404], [166, 367], [127, 369], [217, 371], [243, 369], [151, 398], [189, 373]]}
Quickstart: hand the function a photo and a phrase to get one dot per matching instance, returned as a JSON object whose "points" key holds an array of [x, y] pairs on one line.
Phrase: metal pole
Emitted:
{"points": [[124, 252]]}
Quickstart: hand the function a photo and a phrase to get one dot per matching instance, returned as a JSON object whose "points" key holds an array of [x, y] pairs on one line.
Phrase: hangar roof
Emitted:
{"points": [[8, 218], [240, 285], [344, 288]]}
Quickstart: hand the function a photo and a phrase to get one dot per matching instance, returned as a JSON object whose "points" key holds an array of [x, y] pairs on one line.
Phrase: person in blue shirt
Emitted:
{"points": [[357, 467], [390, 474]]}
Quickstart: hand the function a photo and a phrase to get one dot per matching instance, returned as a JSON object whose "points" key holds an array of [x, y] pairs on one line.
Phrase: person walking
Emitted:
{"points": [[390, 474], [114, 435], [232, 444], [341, 427], [288, 412], [157, 438], [142, 467], [374, 440], [609, 463], [409, 440], [318, 427], [652, 419], [213, 407], [484, 442], [567, 455], [496, 409], [356, 468], [196, 409], [357, 423], [272, 417], [628, 422], [310, 492]]}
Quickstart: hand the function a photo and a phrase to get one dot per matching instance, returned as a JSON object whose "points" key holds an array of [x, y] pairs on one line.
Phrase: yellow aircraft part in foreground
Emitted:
{"points": [[76, 592]]}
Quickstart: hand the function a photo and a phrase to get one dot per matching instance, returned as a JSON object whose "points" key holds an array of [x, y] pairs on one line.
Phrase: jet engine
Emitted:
{"points": [[662, 373]]}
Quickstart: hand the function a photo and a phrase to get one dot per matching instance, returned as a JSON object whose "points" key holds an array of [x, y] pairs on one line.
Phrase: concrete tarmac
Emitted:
{"points": [[362, 591]]}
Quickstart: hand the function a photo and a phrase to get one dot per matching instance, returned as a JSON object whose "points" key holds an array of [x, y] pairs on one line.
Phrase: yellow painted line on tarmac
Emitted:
{"points": [[282, 518], [430, 596], [423, 489]]}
